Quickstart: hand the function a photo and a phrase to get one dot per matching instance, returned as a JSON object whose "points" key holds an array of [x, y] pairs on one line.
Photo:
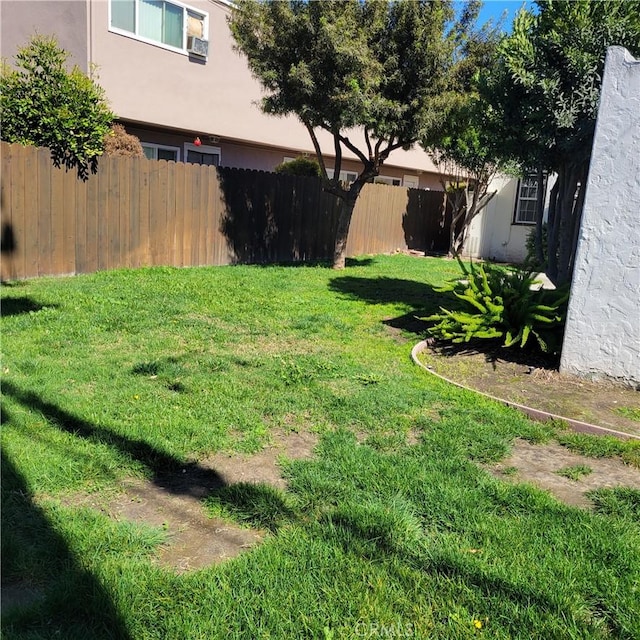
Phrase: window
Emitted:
{"points": [[396, 182], [160, 152], [413, 182], [526, 200], [202, 154], [168, 24], [346, 177]]}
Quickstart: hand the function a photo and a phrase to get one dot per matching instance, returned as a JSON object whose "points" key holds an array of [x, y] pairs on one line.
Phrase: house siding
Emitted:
{"points": [[67, 20]]}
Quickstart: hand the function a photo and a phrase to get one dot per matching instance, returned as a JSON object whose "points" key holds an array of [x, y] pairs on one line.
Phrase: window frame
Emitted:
{"points": [[344, 175], [388, 180], [520, 199], [134, 35], [153, 145], [203, 148]]}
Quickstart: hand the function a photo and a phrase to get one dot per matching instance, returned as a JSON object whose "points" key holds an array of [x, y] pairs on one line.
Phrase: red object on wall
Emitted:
{"points": [[197, 142]]}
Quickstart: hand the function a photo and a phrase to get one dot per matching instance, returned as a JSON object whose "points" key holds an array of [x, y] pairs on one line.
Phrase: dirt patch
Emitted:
{"points": [[263, 467], [540, 464], [534, 383], [174, 502]]}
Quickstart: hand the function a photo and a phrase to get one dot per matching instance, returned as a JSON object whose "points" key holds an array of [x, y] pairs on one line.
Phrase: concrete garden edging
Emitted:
{"points": [[534, 414]]}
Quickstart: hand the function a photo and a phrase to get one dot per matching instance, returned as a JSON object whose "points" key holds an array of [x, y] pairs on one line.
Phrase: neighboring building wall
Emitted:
{"points": [[492, 234], [602, 336], [20, 20], [217, 97], [245, 155]]}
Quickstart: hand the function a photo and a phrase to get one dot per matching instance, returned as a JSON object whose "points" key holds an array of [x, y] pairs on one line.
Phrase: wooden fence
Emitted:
{"points": [[139, 212]]}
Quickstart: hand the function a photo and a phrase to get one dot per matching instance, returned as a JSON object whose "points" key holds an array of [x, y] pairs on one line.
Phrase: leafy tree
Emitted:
{"points": [[545, 90], [373, 74], [469, 153], [300, 166], [44, 104]]}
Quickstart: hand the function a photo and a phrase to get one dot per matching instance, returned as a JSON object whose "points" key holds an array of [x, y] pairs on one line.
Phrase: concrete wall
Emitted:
{"points": [[67, 20], [602, 338]]}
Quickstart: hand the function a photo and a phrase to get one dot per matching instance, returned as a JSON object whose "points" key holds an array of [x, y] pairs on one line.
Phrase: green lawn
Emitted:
{"points": [[133, 373]]}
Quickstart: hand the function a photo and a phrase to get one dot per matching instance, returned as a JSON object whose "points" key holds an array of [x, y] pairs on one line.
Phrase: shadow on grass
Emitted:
{"points": [[21, 304], [421, 297], [169, 472], [37, 564]]}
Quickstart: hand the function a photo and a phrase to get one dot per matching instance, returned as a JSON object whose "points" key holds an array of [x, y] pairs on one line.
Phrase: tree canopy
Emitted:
{"points": [[544, 92], [44, 104], [377, 70], [468, 152]]}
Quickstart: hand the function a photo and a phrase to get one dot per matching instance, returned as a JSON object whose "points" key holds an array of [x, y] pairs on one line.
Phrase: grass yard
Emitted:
{"points": [[392, 529]]}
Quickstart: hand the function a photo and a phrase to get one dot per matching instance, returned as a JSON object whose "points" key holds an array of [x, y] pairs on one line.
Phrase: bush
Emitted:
{"points": [[43, 104], [118, 142], [300, 167], [531, 248], [501, 305]]}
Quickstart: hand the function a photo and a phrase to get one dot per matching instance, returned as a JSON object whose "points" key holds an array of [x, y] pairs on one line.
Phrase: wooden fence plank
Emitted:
{"points": [[6, 210], [144, 167], [45, 171], [87, 260], [134, 214], [124, 212], [57, 220], [137, 212], [31, 212], [178, 212], [68, 214], [104, 205], [18, 260], [171, 212]]}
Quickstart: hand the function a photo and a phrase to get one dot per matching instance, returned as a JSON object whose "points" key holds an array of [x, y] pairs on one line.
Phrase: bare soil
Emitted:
{"points": [[539, 464], [174, 503], [531, 381]]}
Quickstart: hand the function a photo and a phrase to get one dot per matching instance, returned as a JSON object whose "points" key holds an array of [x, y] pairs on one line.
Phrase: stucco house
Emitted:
{"points": [[500, 231], [171, 75]]}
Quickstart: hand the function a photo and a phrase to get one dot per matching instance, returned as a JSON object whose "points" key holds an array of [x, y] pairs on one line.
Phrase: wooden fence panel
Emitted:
{"points": [[18, 222], [138, 212]]}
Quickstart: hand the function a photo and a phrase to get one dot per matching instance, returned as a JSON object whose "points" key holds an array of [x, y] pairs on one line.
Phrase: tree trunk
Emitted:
{"points": [[342, 232], [538, 249]]}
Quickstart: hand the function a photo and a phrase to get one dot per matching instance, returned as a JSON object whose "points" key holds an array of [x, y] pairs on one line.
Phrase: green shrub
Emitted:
{"points": [[44, 104], [530, 244], [500, 304], [300, 167], [121, 144]]}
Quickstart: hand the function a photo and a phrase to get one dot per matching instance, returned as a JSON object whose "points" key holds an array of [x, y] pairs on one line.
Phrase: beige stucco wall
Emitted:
{"points": [[171, 97], [149, 84], [64, 19]]}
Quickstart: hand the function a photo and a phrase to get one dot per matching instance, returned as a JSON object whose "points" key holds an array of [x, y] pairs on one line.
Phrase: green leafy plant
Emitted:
{"points": [[575, 472], [501, 304], [300, 167], [531, 247], [44, 104]]}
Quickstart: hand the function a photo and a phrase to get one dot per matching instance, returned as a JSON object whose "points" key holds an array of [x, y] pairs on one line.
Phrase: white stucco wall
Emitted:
{"points": [[602, 338]]}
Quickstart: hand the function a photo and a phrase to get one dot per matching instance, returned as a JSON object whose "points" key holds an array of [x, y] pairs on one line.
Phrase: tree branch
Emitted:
{"points": [[347, 143], [316, 146]]}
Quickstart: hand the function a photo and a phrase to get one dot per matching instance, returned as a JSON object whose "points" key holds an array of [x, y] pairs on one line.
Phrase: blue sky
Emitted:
{"points": [[493, 9]]}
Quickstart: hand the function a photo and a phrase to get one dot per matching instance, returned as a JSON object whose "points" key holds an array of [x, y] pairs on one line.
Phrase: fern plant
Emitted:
{"points": [[500, 304]]}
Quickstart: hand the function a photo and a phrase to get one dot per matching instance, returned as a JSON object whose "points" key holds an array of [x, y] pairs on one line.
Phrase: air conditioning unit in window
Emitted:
{"points": [[197, 46]]}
